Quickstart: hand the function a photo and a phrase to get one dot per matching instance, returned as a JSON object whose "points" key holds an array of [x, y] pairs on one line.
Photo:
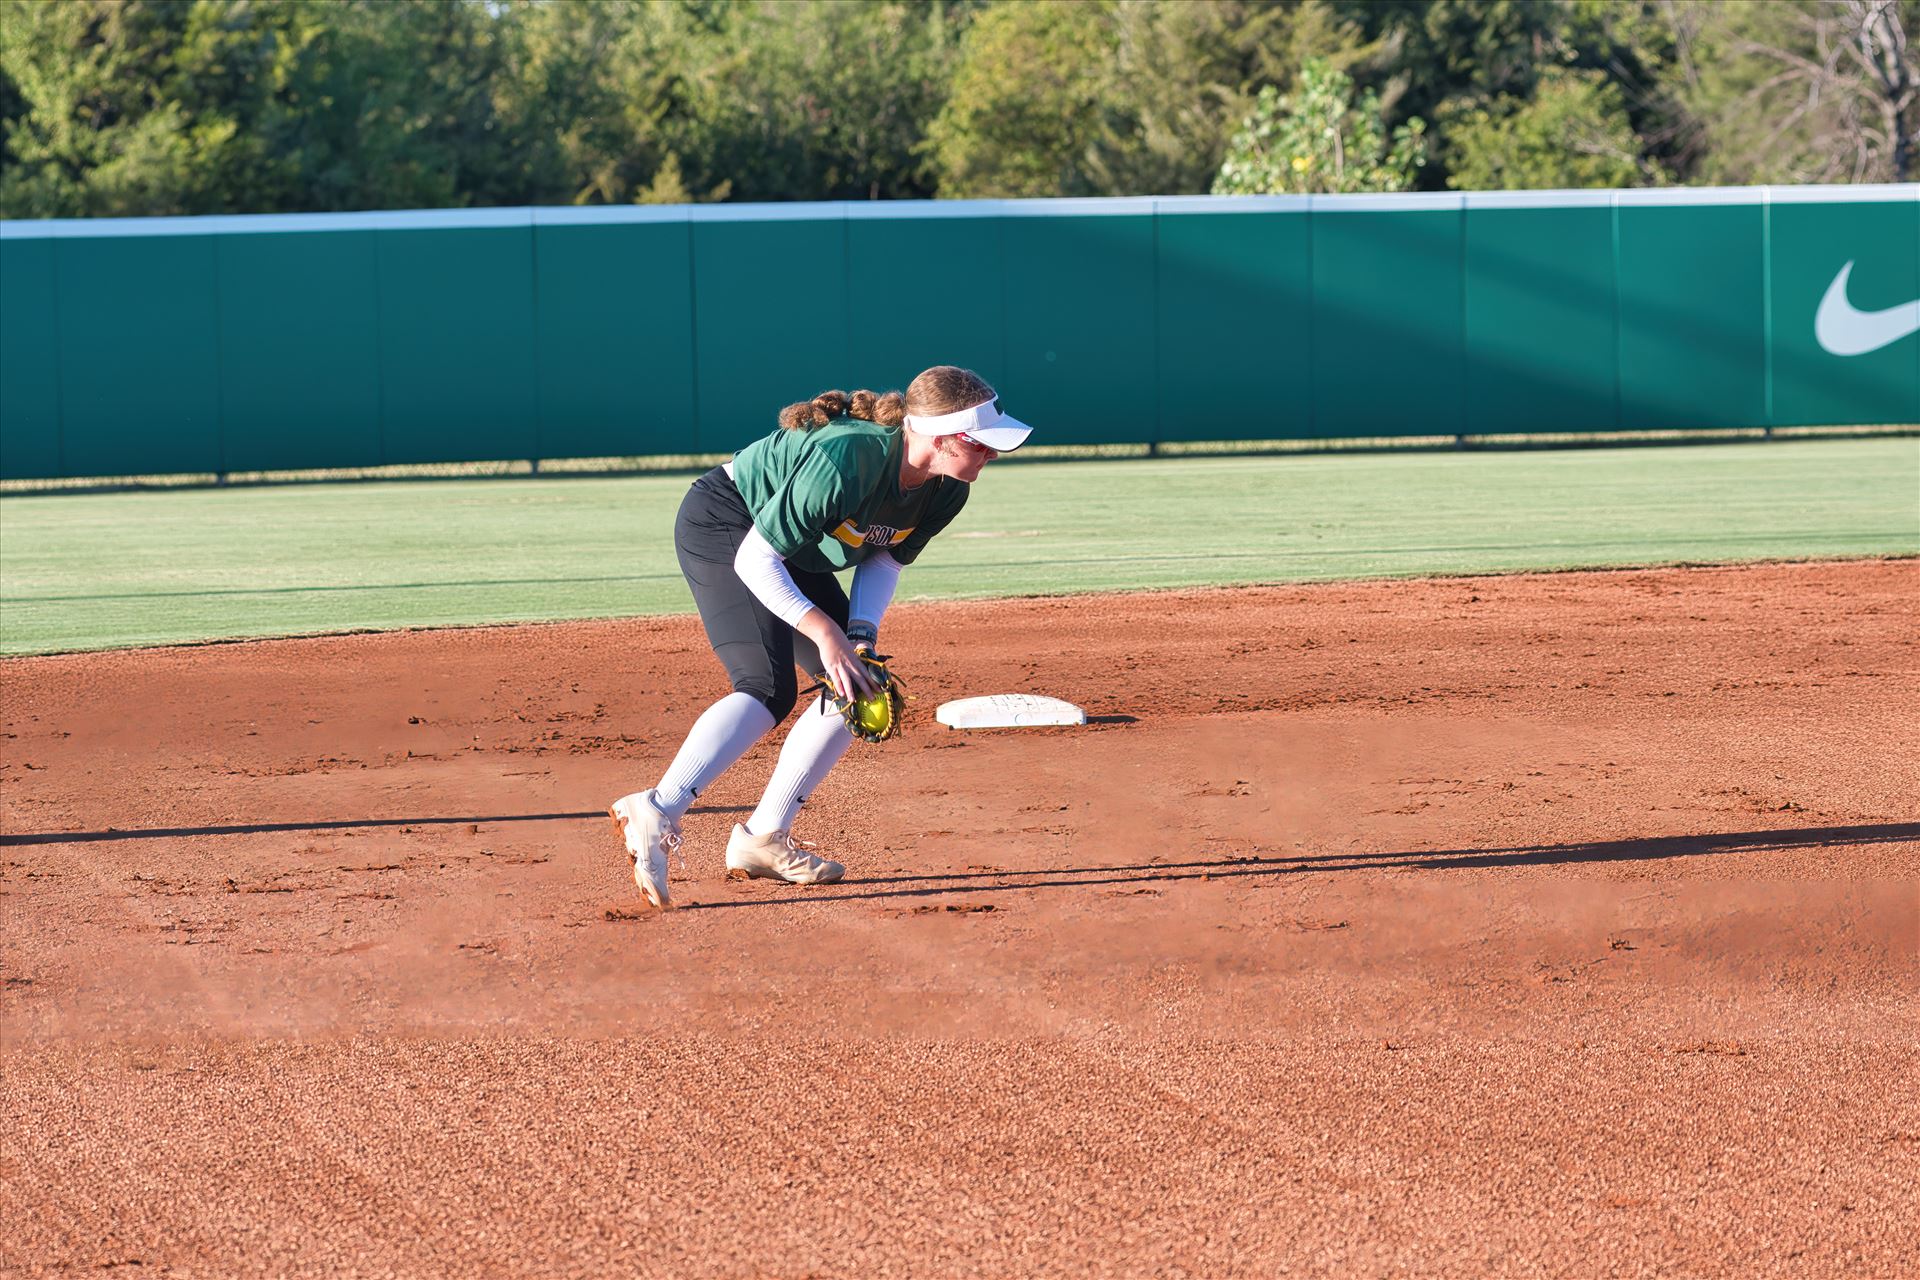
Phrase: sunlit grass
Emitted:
{"points": [[97, 570]]}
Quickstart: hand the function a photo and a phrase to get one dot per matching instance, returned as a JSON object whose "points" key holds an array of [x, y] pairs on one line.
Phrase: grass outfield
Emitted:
{"points": [[90, 571]]}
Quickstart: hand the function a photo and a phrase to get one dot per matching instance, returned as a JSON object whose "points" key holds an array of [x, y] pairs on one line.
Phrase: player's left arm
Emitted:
{"points": [[874, 582]]}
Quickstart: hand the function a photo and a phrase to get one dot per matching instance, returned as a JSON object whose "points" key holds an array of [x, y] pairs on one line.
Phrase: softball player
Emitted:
{"points": [[862, 483]]}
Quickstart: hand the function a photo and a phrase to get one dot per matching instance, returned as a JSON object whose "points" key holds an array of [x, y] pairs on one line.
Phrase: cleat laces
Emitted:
{"points": [[801, 849]]}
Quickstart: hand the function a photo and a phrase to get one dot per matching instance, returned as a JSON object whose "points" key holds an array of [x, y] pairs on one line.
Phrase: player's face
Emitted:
{"points": [[961, 457]]}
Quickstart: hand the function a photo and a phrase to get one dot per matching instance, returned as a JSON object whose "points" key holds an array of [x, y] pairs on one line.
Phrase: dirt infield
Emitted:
{"points": [[1543, 925]]}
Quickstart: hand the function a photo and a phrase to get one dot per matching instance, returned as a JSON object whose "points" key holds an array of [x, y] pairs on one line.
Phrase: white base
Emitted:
{"points": [[1008, 710]]}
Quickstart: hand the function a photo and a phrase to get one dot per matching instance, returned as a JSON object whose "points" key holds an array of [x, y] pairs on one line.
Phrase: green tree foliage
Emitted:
{"points": [[1170, 80], [1573, 132], [1436, 53], [823, 98], [218, 106], [1469, 62], [100, 131], [1026, 101], [213, 106], [592, 98], [1318, 138], [578, 133], [1115, 97]]}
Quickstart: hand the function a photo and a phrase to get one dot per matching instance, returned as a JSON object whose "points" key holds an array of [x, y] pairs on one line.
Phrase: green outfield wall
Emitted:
{"points": [[283, 342]]}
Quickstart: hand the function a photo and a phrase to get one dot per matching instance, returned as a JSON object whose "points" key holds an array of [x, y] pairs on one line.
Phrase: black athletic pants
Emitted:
{"points": [[758, 650]]}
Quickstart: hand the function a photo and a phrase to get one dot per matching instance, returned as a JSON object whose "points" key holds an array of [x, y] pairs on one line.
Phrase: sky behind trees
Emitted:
{"points": [[133, 107]]}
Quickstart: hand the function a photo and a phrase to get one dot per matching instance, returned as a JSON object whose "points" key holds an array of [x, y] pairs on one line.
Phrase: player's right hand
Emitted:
{"points": [[843, 671], [845, 674]]}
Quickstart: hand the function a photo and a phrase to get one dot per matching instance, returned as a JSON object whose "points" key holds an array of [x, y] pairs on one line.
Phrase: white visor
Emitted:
{"points": [[983, 423]]}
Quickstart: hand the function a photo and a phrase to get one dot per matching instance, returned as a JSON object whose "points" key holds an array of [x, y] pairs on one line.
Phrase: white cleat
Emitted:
{"points": [[649, 835], [777, 856]]}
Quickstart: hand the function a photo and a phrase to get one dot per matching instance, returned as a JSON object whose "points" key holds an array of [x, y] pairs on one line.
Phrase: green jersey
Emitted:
{"points": [[828, 498]]}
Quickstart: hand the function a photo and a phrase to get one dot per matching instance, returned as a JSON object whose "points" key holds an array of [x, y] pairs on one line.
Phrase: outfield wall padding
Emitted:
{"points": [[284, 342]]}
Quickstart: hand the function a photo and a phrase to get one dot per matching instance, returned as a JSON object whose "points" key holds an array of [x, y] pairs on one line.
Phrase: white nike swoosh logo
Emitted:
{"points": [[1845, 330]]}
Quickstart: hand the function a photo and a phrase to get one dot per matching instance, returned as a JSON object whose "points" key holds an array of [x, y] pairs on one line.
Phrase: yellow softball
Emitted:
{"points": [[873, 713]]}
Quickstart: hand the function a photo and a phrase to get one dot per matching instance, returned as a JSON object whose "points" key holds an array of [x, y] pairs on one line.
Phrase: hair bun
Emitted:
{"points": [[887, 410], [829, 405]]}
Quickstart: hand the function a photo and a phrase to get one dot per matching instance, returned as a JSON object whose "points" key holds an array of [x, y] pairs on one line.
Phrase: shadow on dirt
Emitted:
{"points": [[1223, 868], [1230, 868], [345, 824]]}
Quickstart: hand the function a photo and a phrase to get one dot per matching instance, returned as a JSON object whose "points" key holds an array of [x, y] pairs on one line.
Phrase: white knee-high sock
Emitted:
{"points": [[720, 736], [818, 740]]}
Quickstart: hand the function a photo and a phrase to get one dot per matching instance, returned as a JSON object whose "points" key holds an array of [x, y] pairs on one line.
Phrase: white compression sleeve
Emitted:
{"points": [[765, 574], [874, 580]]}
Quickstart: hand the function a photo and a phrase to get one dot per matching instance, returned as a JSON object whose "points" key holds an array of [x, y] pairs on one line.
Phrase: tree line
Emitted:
{"points": [[142, 107]]}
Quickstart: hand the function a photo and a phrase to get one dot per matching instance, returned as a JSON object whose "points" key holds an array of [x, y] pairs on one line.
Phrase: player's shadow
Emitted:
{"points": [[342, 824], [1259, 867]]}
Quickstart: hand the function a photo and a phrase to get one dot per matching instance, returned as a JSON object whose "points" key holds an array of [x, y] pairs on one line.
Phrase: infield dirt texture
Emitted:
{"points": [[1555, 925]]}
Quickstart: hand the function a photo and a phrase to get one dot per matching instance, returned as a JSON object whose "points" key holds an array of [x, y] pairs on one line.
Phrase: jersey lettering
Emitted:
{"points": [[878, 535]]}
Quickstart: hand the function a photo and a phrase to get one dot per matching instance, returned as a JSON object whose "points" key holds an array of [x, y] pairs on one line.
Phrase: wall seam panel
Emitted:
{"points": [[693, 337], [379, 350], [219, 362], [1313, 325], [1159, 388], [59, 373], [533, 297], [1619, 321], [1766, 307], [1466, 373], [846, 310]]}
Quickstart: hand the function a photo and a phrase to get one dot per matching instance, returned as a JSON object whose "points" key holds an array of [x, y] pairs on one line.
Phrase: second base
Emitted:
{"points": [[1008, 710]]}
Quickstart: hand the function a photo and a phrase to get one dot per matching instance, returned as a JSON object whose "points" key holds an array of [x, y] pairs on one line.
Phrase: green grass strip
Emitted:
{"points": [[101, 570]]}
